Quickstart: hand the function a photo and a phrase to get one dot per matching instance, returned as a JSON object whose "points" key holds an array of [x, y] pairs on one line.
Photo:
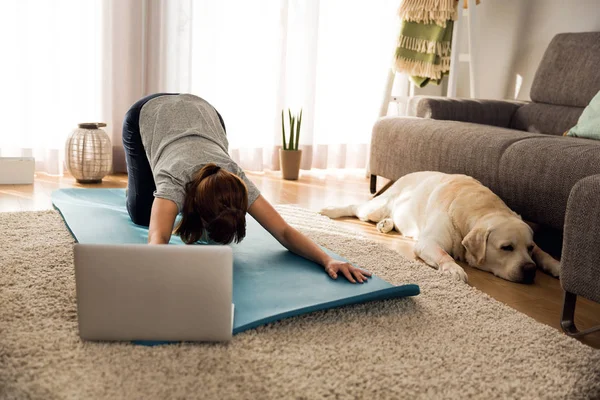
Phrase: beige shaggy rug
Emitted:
{"points": [[451, 341]]}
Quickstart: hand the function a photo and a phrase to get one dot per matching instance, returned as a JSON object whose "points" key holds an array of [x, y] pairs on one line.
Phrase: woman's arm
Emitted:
{"points": [[162, 219], [296, 242]]}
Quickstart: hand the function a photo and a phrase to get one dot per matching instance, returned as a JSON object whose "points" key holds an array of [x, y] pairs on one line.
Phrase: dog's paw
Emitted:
{"points": [[385, 225], [552, 267], [555, 272], [546, 262], [455, 271], [331, 212]]}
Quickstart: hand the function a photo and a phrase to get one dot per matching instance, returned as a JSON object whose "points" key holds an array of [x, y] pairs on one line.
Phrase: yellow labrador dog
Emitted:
{"points": [[455, 217]]}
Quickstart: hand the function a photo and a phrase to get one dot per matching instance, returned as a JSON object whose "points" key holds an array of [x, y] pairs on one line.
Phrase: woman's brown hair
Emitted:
{"points": [[215, 200]]}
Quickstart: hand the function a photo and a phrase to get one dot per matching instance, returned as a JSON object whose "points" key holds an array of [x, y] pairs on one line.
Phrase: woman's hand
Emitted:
{"points": [[296, 242], [353, 274]]}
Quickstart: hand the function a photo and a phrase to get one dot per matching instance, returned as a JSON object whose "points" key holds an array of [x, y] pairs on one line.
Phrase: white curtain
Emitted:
{"points": [[70, 61], [50, 75], [251, 59], [66, 62]]}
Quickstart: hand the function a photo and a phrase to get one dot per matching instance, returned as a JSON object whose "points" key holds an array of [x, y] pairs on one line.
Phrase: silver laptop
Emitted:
{"points": [[154, 292]]}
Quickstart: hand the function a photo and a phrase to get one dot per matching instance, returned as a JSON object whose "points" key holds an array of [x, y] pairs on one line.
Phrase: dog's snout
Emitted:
{"points": [[528, 272], [529, 267]]}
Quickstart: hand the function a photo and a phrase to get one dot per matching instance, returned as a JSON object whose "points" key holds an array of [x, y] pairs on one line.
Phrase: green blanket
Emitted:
{"points": [[423, 51]]}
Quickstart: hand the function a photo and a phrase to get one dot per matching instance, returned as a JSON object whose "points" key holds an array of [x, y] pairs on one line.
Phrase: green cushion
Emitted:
{"points": [[588, 125]]}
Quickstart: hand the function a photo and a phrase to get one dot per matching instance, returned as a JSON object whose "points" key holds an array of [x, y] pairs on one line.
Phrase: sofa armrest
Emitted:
{"points": [[580, 262], [487, 112]]}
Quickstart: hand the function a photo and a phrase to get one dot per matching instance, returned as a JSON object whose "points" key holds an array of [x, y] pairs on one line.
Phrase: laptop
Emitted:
{"points": [[154, 292]]}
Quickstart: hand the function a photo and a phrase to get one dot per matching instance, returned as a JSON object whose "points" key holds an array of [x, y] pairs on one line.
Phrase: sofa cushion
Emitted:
{"points": [[537, 174], [546, 118], [588, 125], [401, 145], [486, 112], [568, 73]]}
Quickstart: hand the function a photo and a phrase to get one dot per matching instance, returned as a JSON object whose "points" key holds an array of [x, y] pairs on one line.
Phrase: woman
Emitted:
{"points": [[178, 162]]}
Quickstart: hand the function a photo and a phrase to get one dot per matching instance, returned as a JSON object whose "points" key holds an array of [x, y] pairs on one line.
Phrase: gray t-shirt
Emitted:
{"points": [[181, 134]]}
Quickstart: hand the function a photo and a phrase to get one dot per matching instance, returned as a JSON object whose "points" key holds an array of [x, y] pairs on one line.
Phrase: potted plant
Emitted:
{"points": [[289, 155]]}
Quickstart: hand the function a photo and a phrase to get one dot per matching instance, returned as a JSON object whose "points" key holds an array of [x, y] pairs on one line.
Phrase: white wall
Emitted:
{"points": [[512, 36]]}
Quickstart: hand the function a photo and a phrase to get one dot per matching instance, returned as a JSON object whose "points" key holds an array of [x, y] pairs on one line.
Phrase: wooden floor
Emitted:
{"points": [[317, 189]]}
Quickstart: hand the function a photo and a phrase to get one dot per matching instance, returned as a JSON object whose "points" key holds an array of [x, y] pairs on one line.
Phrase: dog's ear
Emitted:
{"points": [[476, 242]]}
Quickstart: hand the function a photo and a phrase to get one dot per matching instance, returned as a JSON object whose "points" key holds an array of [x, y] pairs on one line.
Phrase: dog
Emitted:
{"points": [[455, 218]]}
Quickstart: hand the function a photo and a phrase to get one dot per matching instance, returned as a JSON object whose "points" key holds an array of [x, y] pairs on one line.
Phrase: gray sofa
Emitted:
{"points": [[517, 150]]}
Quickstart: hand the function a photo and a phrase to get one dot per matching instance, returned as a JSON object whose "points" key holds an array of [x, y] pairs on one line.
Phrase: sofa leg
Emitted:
{"points": [[567, 318], [383, 189], [373, 184]]}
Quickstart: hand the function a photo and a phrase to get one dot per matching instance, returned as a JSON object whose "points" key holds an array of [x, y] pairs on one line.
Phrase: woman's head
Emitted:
{"points": [[216, 201]]}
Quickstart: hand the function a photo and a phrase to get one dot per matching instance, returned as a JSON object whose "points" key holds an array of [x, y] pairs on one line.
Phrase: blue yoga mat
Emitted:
{"points": [[269, 282]]}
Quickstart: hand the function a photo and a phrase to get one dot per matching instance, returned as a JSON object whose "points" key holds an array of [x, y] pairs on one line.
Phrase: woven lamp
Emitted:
{"points": [[88, 153]]}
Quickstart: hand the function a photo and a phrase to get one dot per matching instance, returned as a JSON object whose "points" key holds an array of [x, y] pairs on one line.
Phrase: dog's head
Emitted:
{"points": [[502, 246]]}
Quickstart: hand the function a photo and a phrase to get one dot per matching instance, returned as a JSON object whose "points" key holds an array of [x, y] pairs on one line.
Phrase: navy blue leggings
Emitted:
{"points": [[140, 182]]}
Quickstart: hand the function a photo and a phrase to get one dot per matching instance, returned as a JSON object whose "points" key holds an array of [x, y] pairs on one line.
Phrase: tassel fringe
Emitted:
{"points": [[420, 68], [425, 46], [429, 11]]}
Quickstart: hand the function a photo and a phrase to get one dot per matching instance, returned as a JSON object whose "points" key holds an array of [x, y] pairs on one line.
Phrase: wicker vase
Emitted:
{"points": [[88, 153]]}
